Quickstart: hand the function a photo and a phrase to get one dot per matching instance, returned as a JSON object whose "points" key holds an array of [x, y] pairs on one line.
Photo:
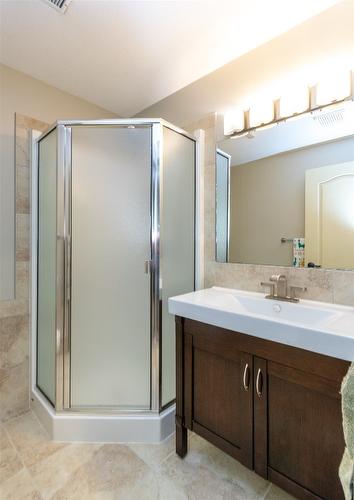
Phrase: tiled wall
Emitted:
{"points": [[323, 285], [14, 314]]}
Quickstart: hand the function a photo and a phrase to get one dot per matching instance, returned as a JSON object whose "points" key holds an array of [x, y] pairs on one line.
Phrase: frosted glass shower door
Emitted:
{"points": [[46, 264], [110, 291], [177, 245]]}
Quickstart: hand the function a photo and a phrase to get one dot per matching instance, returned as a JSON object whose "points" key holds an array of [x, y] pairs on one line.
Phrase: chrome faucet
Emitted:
{"points": [[279, 289]]}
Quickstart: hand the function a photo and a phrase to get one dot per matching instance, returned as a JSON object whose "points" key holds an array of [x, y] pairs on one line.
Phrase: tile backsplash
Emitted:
{"points": [[322, 285]]}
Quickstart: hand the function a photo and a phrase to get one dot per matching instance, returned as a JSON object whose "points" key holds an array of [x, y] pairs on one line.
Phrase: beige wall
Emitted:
{"points": [[268, 201], [318, 39], [22, 94]]}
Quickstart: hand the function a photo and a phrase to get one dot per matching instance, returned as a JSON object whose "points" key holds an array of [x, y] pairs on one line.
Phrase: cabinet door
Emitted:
{"points": [[222, 408], [305, 437]]}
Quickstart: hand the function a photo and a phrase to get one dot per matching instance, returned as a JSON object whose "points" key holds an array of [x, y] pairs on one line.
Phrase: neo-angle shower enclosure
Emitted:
{"points": [[115, 238]]}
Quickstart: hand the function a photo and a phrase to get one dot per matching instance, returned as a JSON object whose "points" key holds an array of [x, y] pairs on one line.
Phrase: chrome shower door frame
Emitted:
{"points": [[63, 259], [63, 283]]}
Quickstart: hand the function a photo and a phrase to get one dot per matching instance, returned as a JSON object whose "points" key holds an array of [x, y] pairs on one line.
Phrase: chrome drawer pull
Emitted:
{"points": [[259, 383], [246, 377]]}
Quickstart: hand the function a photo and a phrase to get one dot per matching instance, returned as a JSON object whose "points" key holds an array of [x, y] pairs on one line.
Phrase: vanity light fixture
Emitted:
{"points": [[294, 101], [234, 120], [333, 88], [263, 114], [249, 134], [268, 126]]}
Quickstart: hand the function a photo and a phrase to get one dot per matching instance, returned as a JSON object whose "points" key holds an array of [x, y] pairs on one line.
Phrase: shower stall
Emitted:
{"points": [[114, 236]]}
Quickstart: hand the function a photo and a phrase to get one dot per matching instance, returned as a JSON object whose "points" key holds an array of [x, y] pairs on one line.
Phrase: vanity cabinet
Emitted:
{"points": [[273, 407]]}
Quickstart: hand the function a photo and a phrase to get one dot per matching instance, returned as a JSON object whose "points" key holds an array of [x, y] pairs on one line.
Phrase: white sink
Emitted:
{"points": [[315, 326], [283, 311]]}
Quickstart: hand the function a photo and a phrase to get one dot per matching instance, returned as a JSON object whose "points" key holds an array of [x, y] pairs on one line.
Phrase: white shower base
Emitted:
{"points": [[103, 428]]}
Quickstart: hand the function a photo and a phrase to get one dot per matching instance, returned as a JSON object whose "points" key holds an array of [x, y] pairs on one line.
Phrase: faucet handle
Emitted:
{"points": [[294, 288], [271, 287], [277, 277]]}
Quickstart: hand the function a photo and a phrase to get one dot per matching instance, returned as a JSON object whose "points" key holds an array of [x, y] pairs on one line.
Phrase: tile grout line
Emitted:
{"points": [[234, 480], [24, 466], [267, 490], [33, 481], [173, 452], [14, 417], [9, 439]]}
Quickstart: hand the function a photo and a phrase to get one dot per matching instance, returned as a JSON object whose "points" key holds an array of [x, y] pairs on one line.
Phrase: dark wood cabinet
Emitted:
{"points": [[273, 407]]}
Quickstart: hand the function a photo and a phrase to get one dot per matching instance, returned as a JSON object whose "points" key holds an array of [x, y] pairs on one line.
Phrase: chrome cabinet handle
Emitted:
{"points": [[246, 377], [259, 383]]}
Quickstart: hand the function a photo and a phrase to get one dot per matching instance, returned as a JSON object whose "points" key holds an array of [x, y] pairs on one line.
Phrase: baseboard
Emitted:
{"points": [[103, 428]]}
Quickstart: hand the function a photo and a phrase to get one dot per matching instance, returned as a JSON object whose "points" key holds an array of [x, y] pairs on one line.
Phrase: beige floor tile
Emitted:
{"points": [[276, 493], [53, 471], [169, 490], [10, 463], [14, 391], [198, 482], [155, 454], [202, 453], [113, 472], [19, 487], [30, 439], [59, 471]]}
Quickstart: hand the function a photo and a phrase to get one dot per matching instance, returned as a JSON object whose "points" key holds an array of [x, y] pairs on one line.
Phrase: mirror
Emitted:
{"points": [[285, 195]]}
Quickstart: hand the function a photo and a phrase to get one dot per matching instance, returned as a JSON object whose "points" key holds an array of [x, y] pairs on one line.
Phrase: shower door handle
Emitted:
{"points": [[147, 266], [68, 267]]}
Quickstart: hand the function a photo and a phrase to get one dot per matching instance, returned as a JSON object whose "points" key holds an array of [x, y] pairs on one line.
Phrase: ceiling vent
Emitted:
{"points": [[329, 118], [59, 5]]}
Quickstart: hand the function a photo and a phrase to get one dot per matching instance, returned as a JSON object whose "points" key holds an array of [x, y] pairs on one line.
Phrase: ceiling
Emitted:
{"points": [[127, 55]]}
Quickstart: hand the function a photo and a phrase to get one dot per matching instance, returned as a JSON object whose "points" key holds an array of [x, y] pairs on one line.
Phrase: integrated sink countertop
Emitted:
{"points": [[316, 326]]}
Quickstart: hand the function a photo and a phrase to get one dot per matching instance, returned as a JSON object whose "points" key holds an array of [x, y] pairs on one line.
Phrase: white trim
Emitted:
{"points": [[199, 209], [103, 428]]}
